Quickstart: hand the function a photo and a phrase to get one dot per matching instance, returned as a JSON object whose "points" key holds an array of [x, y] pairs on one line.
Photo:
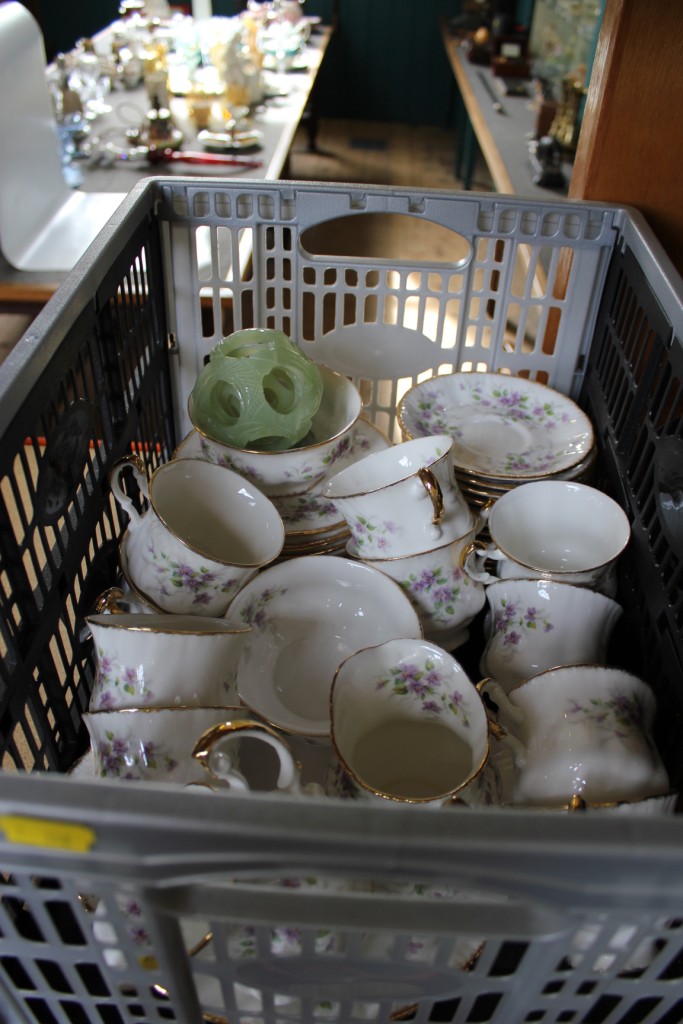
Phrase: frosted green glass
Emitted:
{"points": [[258, 391]]}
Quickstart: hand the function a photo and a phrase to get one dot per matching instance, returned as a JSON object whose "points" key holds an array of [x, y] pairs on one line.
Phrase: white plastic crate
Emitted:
{"points": [[105, 886]]}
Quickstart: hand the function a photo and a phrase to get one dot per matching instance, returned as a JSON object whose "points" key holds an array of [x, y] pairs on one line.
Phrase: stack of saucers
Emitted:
{"points": [[506, 431]]}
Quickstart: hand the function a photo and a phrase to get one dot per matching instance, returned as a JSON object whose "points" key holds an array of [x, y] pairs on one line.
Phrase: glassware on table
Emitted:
{"points": [[281, 39], [90, 78]]}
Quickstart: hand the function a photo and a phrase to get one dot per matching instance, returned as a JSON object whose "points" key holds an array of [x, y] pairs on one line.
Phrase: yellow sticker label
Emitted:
{"points": [[59, 835], [148, 963]]}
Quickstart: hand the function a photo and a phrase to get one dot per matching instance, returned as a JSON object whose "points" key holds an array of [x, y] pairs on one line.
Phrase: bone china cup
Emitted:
{"points": [[296, 470], [535, 625], [401, 501], [206, 532], [443, 595], [149, 659], [157, 744], [407, 725], [556, 530], [581, 731]]}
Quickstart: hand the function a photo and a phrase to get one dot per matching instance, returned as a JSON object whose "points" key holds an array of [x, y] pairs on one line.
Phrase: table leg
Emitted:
{"points": [[466, 147]]}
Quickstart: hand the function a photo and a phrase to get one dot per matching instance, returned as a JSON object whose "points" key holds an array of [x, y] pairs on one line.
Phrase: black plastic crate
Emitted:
{"points": [[574, 918]]}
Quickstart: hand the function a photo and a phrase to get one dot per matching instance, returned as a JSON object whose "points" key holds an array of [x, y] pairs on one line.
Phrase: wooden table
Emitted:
{"points": [[501, 126], [278, 118]]}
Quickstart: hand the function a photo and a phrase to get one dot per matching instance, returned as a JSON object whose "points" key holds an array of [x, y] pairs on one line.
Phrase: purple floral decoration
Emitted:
{"points": [[510, 622], [137, 928], [121, 759], [369, 535], [201, 583], [113, 678], [308, 507], [425, 684], [342, 448], [211, 454], [437, 591], [618, 714], [432, 416], [254, 612]]}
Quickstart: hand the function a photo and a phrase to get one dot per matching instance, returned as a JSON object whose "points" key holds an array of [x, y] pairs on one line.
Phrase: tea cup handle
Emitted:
{"points": [[513, 715], [433, 489], [220, 766], [140, 473], [109, 602], [473, 557]]}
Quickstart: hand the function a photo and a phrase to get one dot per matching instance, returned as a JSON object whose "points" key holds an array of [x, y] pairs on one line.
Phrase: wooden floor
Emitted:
{"points": [[377, 153]]}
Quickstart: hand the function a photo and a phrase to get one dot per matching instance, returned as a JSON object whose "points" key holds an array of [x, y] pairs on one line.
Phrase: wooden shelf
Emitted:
{"points": [[502, 132]]}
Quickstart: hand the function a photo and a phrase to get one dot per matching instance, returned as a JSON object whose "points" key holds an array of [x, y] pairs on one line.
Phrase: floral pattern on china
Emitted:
{"points": [[370, 535], [502, 426], [439, 590], [425, 684], [309, 511], [241, 463], [617, 714], [127, 759], [113, 677], [510, 618]]}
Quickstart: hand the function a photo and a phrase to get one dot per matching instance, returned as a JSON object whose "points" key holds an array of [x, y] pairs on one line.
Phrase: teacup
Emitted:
{"points": [[443, 595], [403, 500], [581, 731], [534, 625], [205, 533], [555, 530], [148, 659], [407, 725], [157, 744], [295, 470]]}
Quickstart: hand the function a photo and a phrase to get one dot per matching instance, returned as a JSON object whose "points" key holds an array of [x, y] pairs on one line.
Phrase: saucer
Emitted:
{"points": [[312, 513], [309, 614], [131, 587], [503, 427]]}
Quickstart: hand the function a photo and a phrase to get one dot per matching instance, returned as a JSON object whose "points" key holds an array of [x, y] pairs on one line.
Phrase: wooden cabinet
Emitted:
{"points": [[630, 149]]}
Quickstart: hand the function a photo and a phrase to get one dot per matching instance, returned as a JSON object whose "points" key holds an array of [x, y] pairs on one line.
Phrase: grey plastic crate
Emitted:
{"points": [[106, 886]]}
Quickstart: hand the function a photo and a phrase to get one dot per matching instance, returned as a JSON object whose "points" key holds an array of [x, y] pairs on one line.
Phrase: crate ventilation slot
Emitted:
{"points": [[369, 346]]}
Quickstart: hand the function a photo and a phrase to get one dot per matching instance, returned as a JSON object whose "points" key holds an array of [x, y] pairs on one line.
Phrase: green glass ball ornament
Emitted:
{"points": [[257, 392]]}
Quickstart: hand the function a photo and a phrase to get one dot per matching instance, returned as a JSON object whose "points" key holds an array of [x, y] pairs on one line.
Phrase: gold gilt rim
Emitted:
{"points": [[502, 483], [279, 727], [337, 541], [332, 530], [105, 621], [552, 573], [225, 562], [583, 665], [400, 416], [407, 474], [168, 707], [450, 796], [349, 425]]}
